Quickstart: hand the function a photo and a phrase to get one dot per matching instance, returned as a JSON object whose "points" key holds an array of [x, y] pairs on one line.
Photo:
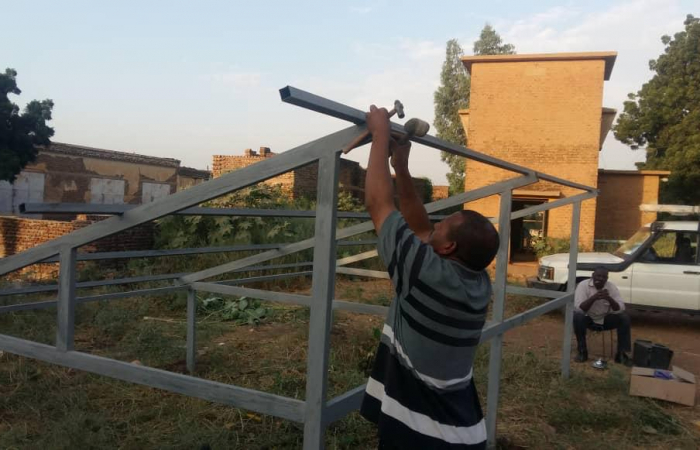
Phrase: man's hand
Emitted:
{"points": [[399, 154], [605, 295], [378, 122]]}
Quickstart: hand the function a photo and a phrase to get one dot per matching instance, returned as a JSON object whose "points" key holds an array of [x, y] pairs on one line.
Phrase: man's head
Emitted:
{"points": [[466, 236], [600, 277]]}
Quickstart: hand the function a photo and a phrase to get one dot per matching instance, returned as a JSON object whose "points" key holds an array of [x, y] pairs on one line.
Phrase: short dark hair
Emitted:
{"points": [[477, 240], [601, 269]]}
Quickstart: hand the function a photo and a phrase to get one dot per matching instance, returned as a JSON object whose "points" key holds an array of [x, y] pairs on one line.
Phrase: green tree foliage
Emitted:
{"points": [[20, 133], [664, 116], [490, 43], [453, 95]]}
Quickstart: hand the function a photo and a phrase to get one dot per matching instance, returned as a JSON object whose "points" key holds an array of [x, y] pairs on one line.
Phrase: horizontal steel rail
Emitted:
{"points": [[492, 330], [89, 208], [363, 272], [149, 278], [139, 292], [99, 256], [143, 279], [322, 105], [91, 284], [551, 205], [260, 402], [319, 104], [91, 298], [519, 290], [283, 297]]}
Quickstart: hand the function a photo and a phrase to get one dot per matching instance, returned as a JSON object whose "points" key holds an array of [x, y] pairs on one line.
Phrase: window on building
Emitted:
{"points": [[27, 188], [153, 191], [104, 191]]}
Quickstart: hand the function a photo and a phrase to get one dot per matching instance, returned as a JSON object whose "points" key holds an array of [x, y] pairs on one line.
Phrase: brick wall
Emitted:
{"points": [[223, 164], [618, 215], [302, 182], [440, 192], [18, 234], [545, 115]]}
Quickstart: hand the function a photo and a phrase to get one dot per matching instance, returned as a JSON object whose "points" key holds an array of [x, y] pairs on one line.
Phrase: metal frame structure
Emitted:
{"points": [[316, 412]]}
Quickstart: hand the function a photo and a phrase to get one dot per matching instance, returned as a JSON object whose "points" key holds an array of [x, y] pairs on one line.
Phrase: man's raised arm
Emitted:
{"points": [[410, 203], [379, 190]]}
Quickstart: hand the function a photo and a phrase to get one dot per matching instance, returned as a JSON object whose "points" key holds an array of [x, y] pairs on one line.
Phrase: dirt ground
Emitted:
{"points": [[680, 332]]}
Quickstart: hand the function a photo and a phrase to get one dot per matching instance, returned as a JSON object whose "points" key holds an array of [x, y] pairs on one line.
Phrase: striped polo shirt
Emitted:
{"points": [[421, 394]]}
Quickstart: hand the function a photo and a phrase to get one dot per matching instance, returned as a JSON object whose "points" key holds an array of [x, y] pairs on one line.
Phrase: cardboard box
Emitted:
{"points": [[679, 389]]}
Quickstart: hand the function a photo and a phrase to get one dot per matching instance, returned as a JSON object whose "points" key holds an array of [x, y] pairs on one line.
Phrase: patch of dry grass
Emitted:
{"points": [[48, 407]]}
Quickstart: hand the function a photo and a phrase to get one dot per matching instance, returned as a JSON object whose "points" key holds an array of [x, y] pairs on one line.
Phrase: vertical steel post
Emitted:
{"points": [[191, 330], [66, 299], [499, 297], [322, 291], [570, 288]]}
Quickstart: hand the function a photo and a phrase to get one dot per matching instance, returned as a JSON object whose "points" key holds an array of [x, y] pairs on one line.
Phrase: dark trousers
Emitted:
{"points": [[620, 321]]}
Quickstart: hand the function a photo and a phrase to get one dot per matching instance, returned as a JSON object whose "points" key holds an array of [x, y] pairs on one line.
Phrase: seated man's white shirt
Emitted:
{"points": [[600, 308]]}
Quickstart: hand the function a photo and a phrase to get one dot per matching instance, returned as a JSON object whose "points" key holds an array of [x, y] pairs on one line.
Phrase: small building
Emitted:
{"points": [[545, 112], [66, 173]]}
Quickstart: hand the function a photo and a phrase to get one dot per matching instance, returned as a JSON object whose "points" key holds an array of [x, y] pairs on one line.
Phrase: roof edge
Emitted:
{"points": [[92, 152], [660, 173], [609, 58]]}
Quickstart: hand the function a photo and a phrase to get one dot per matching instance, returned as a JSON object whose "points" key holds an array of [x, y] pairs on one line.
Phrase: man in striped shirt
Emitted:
{"points": [[421, 394]]}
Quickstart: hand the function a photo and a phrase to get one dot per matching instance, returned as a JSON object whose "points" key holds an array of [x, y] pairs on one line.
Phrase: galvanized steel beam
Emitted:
{"points": [[322, 291], [89, 208], [260, 402], [492, 329], [570, 288], [499, 299]]}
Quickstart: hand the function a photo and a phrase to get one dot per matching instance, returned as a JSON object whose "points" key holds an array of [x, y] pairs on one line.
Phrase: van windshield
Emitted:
{"points": [[633, 243]]}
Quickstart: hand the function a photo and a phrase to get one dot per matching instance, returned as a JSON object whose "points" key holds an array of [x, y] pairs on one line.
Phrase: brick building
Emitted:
{"points": [[302, 182], [545, 112], [65, 173]]}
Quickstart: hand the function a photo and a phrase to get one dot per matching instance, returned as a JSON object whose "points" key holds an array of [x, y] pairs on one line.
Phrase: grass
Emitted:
{"points": [[48, 407]]}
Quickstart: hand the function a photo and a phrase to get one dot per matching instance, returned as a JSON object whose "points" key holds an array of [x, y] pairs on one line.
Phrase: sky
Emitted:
{"points": [[188, 80]]}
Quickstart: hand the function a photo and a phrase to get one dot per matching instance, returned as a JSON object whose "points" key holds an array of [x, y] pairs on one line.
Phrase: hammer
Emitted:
{"points": [[414, 127], [398, 110]]}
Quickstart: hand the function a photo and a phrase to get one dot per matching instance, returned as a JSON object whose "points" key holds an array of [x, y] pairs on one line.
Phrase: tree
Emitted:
{"points": [[20, 133], [664, 116], [490, 43], [453, 95]]}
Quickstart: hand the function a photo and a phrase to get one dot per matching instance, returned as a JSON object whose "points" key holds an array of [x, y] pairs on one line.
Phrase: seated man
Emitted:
{"points": [[684, 252], [599, 304]]}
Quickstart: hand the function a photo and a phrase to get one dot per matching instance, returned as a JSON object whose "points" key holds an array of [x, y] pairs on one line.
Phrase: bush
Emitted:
{"points": [[549, 245]]}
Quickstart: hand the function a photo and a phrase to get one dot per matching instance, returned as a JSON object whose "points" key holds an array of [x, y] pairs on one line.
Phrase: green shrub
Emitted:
{"points": [[242, 310], [550, 245]]}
